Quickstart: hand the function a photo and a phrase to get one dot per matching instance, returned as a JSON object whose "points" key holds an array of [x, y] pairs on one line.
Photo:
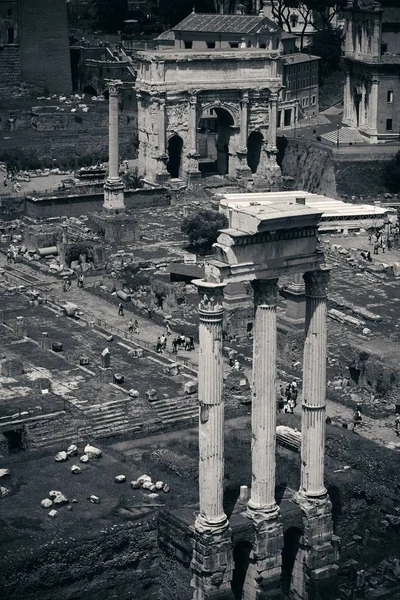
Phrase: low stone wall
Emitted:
{"points": [[74, 206]]}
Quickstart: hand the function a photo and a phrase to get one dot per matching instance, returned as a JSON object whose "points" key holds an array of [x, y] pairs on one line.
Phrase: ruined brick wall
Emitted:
{"points": [[45, 54], [10, 68]]}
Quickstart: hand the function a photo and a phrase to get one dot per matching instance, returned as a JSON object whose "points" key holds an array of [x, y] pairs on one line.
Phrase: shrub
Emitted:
{"points": [[202, 227]]}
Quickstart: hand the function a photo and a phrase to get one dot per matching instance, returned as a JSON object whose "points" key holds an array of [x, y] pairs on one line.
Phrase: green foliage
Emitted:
{"points": [[328, 45], [392, 174], [203, 226], [74, 251]]}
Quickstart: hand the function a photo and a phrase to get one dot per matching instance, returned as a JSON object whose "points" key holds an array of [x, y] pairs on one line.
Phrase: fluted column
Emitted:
{"points": [[113, 187], [161, 125], [314, 385], [113, 141], [244, 120], [193, 123], [373, 99], [273, 120], [263, 414], [347, 99], [211, 417]]}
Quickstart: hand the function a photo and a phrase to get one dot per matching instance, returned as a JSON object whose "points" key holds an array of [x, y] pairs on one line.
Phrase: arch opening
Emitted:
{"points": [[291, 545], [254, 145], [241, 558], [175, 145], [214, 132], [89, 90]]}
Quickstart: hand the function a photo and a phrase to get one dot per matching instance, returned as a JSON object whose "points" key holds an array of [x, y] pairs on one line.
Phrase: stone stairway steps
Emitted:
{"points": [[171, 410]]}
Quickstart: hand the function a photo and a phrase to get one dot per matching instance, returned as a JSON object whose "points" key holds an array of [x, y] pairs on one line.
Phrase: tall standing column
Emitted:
{"points": [[314, 385], [113, 138], [113, 188], [263, 413], [192, 170], [161, 126], [347, 99], [211, 417], [244, 120], [373, 105], [212, 560], [273, 120], [264, 571]]}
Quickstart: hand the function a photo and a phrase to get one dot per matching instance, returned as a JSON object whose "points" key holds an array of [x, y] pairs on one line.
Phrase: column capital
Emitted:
{"points": [[245, 97], [113, 87], [193, 99], [317, 282], [211, 295], [274, 96], [265, 291]]}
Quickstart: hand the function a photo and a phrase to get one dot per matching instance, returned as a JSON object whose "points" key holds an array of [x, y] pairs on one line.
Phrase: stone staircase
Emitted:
{"points": [[109, 419], [172, 410], [347, 135], [54, 434]]}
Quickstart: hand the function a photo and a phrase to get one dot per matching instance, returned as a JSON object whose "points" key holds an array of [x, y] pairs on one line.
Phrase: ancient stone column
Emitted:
{"points": [[211, 417], [263, 413], [347, 99], [273, 120], [212, 559], [373, 104], [192, 170], [314, 385], [295, 300], [113, 188], [244, 120], [113, 138], [161, 125], [264, 570]]}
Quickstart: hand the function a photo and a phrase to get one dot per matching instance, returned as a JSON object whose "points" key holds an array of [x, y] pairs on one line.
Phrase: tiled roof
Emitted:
{"points": [[166, 35], [206, 23], [391, 15], [286, 35], [299, 57]]}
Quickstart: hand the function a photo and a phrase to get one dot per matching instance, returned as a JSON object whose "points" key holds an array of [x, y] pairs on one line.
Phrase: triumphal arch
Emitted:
{"points": [[209, 107]]}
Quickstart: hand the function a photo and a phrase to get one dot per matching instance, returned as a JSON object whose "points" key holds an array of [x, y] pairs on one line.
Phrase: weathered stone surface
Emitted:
{"points": [[46, 503], [4, 492], [92, 451], [120, 479], [61, 456], [53, 514]]}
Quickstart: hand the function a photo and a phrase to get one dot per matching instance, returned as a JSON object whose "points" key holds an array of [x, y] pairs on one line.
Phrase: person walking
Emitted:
{"points": [[357, 418], [159, 346], [130, 326], [383, 244], [120, 309], [167, 328], [175, 346], [136, 327]]}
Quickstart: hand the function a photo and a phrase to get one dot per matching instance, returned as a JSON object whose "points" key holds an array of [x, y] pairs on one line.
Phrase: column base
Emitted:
{"points": [[315, 572], [295, 305], [106, 374], [263, 577], [116, 226], [192, 176], [162, 178], [212, 565], [244, 172], [114, 195]]}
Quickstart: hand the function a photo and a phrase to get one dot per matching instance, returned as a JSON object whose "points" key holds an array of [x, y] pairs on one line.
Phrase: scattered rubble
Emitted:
{"points": [[4, 492], [120, 479], [46, 503], [92, 451], [53, 514], [61, 456], [94, 499], [75, 469]]}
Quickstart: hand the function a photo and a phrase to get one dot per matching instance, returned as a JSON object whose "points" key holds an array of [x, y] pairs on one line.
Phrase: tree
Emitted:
{"points": [[203, 226], [328, 45], [392, 174]]}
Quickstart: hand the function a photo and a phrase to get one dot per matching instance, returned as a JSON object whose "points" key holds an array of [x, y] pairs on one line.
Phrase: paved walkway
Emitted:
{"points": [[378, 430]]}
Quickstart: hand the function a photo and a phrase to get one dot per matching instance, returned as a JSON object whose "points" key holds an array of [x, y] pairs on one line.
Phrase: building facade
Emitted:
{"points": [[300, 94], [208, 101], [372, 60]]}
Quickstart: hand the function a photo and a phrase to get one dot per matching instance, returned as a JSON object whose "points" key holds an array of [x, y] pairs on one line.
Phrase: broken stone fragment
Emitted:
{"points": [[54, 493], [53, 514], [72, 450], [60, 499], [143, 478], [46, 503], [120, 479], [4, 492], [147, 485], [153, 496], [135, 485], [133, 393], [4, 472], [75, 469], [92, 451], [61, 456], [152, 487], [159, 485], [94, 499], [166, 488], [84, 458]]}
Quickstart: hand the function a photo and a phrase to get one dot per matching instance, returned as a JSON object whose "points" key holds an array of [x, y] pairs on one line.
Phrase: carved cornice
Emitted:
{"points": [[317, 283], [265, 292]]}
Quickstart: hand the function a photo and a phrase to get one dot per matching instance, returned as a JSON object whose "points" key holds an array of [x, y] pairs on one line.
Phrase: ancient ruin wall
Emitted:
{"points": [[45, 55]]}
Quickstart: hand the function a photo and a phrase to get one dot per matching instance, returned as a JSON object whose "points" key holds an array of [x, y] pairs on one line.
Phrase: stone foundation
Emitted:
{"points": [[212, 565], [118, 227]]}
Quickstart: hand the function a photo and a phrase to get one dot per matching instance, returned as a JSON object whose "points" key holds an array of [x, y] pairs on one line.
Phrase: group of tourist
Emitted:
{"points": [[287, 399], [378, 240], [66, 282]]}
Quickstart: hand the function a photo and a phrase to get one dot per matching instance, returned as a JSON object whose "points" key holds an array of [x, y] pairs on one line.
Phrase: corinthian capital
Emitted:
{"points": [[317, 282], [265, 292], [113, 87]]}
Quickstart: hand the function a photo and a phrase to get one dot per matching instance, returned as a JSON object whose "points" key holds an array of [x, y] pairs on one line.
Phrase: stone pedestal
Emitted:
{"points": [[212, 565], [106, 374], [314, 575], [116, 227], [264, 573], [44, 341], [114, 195]]}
